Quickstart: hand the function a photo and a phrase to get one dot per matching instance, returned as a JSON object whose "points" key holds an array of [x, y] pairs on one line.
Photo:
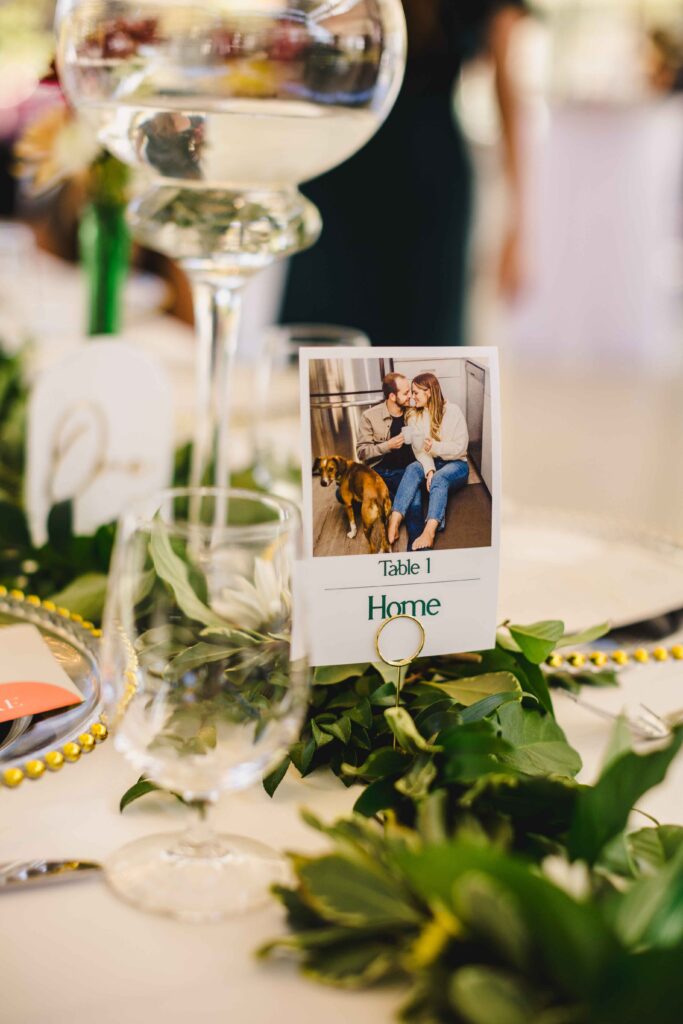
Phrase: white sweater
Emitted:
{"points": [[453, 436]]}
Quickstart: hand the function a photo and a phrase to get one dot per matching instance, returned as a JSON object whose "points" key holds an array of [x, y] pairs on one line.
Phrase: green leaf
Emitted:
{"points": [[586, 636], [376, 797], [60, 526], [651, 912], [195, 656], [603, 810], [483, 708], [341, 729], [84, 596], [352, 964], [175, 572], [14, 531], [406, 733], [652, 848], [328, 675], [275, 777], [141, 788], [484, 995], [539, 640], [382, 763], [418, 779], [346, 892], [474, 688], [539, 747]]}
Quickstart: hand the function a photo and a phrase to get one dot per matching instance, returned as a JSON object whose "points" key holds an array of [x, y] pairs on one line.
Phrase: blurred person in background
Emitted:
{"points": [[392, 260]]}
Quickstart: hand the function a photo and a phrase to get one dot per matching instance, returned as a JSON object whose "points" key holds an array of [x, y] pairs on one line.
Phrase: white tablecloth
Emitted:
{"points": [[75, 951]]}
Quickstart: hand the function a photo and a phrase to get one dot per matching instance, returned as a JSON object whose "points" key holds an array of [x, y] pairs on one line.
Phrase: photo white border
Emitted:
{"points": [[473, 626]]}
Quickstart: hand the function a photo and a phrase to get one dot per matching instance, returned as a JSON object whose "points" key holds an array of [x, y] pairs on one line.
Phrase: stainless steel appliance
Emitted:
{"points": [[341, 390]]}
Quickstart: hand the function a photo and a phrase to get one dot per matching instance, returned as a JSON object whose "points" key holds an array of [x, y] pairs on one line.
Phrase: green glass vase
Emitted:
{"points": [[105, 246]]}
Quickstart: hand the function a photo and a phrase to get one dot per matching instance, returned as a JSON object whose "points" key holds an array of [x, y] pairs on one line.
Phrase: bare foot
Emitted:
{"points": [[394, 525], [426, 538]]}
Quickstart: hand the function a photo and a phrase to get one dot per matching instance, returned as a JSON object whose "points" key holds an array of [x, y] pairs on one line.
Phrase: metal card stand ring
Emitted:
{"points": [[400, 664]]}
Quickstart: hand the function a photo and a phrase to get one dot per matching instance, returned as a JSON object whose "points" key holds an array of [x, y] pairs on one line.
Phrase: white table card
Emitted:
{"points": [[99, 433], [401, 488]]}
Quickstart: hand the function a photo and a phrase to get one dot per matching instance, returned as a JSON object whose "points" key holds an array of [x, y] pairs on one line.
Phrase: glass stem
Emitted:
{"points": [[217, 308]]}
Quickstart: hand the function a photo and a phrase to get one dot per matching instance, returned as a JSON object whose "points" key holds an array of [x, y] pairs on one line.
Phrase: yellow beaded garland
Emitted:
{"points": [[54, 760], [12, 777], [72, 751]]}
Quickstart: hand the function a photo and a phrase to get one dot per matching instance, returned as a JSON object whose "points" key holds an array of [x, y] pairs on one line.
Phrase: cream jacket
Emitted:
{"points": [[453, 441]]}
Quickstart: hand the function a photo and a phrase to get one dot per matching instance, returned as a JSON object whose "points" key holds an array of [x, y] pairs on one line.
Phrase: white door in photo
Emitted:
{"points": [[100, 434]]}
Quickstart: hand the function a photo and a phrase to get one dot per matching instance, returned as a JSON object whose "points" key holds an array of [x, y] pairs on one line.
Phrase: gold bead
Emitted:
{"points": [[97, 633], [3, 591], [18, 595], [660, 654], [677, 652], [32, 599], [64, 612], [641, 655], [75, 617], [72, 751], [49, 606], [577, 660], [599, 659], [86, 742], [99, 731], [620, 657], [54, 760], [34, 769], [555, 661], [12, 777]]}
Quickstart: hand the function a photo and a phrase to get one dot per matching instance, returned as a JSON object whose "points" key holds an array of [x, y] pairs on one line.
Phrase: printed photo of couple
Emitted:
{"points": [[401, 454]]}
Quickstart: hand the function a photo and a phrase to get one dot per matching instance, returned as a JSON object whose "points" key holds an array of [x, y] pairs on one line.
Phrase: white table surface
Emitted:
{"points": [[75, 950]]}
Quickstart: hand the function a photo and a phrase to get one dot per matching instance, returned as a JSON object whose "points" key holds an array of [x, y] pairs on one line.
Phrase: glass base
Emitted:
{"points": [[195, 881], [224, 232]]}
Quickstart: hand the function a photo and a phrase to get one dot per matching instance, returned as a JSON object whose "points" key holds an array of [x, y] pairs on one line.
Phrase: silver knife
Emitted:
{"points": [[24, 874]]}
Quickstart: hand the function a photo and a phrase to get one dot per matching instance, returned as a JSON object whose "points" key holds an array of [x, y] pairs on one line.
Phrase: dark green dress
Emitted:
{"points": [[392, 257]]}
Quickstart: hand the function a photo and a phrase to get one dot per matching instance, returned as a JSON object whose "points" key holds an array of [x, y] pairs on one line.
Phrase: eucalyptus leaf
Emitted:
{"points": [[174, 571], [328, 675]]}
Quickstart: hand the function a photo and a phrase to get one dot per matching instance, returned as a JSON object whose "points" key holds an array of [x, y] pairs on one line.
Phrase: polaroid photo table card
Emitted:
{"points": [[401, 492]]}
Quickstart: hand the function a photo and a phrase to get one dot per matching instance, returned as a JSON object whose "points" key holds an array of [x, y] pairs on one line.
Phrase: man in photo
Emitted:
{"points": [[382, 444]]}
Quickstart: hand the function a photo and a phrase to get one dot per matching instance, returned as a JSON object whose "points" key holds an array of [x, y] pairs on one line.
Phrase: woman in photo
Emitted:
{"points": [[438, 433]]}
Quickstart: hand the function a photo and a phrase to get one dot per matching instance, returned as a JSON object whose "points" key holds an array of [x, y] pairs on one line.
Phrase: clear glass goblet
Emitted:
{"points": [[204, 688], [228, 105]]}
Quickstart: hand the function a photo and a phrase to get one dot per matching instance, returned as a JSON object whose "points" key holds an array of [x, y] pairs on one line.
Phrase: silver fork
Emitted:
{"points": [[647, 726]]}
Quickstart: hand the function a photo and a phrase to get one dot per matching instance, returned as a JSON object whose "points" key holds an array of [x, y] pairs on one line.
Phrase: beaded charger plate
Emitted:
{"points": [[45, 742]]}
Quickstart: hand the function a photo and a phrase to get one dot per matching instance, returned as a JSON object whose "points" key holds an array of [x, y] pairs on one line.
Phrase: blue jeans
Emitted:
{"points": [[448, 478], [393, 478]]}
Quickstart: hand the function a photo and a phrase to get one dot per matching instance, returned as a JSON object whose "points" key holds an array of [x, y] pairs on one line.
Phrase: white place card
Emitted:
{"points": [[401, 488], [100, 433], [31, 679]]}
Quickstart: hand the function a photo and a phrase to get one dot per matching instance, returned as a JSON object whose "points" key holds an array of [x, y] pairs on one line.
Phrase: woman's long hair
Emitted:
{"points": [[436, 402]]}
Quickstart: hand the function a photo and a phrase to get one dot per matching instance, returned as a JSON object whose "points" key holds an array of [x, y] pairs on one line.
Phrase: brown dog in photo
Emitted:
{"points": [[357, 482]]}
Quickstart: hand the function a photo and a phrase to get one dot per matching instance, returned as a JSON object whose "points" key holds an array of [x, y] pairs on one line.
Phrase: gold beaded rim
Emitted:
{"points": [[619, 658], [54, 760]]}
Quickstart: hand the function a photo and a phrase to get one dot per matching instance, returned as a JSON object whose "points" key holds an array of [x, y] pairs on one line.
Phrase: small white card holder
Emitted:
{"points": [[100, 433]]}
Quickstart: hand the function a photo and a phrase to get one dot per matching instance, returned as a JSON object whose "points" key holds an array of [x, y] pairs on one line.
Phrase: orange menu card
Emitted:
{"points": [[31, 678]]}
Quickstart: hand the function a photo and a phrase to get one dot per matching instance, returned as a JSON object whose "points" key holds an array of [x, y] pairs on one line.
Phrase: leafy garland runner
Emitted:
{"points": [[451, 876]]}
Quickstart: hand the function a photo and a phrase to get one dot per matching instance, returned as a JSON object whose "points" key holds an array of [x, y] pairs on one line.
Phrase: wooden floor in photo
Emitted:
{"points": [[468, 523]]}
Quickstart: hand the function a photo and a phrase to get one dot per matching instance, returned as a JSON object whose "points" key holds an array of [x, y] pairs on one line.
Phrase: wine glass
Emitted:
{"points": [[228, 105], [205, 682]]}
